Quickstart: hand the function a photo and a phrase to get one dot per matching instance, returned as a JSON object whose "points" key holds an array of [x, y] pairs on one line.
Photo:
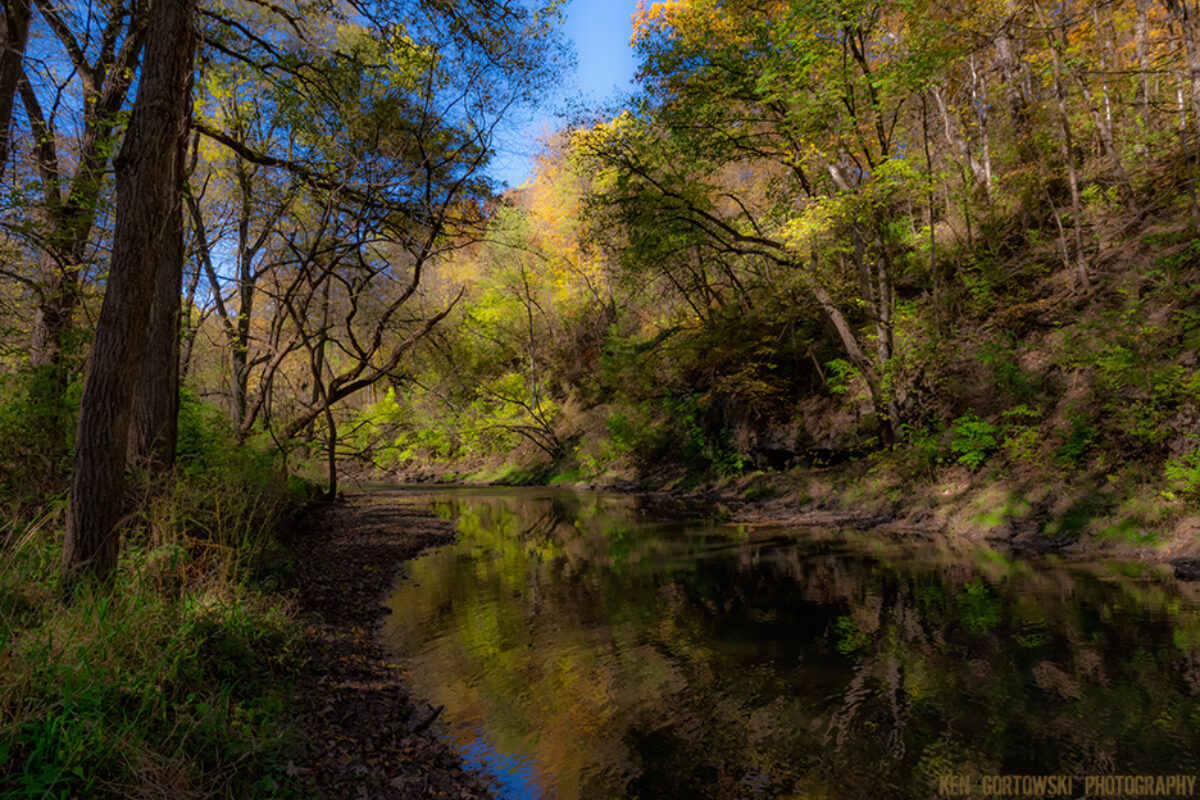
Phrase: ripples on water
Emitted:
{"points": [[586, 646]]}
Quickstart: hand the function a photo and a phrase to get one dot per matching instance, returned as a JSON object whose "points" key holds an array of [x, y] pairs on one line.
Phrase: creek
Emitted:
{"points": [[591, 645]]}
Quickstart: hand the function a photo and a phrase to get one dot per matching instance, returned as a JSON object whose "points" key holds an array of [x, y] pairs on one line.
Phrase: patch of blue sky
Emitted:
{"points": [[605, 66]]}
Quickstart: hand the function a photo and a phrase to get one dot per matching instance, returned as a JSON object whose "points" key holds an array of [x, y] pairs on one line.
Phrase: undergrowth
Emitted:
{"points": [[173, 681]]}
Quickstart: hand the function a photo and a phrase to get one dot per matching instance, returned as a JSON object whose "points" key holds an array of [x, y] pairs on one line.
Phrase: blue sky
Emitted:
{"points": [[599, 30]]}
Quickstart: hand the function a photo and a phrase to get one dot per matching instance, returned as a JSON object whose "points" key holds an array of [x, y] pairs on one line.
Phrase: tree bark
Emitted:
{"points": [[13, 37], [1187, 28], [889, 421], [147, 191], [154, 427]]}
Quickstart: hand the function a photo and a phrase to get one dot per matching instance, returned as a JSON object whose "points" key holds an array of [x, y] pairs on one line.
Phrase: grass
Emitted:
{"points": [[174, 681]]}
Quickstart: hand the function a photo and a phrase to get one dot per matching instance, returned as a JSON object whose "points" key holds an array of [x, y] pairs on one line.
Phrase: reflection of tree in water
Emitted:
{"points": [[634, 658]]}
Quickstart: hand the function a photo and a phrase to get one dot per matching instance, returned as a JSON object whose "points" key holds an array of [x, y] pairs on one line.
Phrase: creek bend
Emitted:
{"points": [[590, 645]]}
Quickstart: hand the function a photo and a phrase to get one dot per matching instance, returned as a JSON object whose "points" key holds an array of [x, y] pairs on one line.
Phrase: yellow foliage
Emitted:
{"points": [[657, 16]]}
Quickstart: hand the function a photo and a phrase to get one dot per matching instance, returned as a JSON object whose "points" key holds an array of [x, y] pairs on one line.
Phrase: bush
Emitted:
{"points": [[37, 427], [973, 439], [1183, 474], [1077, 444]]}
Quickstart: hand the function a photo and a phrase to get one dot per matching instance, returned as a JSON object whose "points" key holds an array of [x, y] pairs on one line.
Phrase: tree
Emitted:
{"points": [[148, 200], [14, 33], [72, 173], [386, 138], [809, 99]]}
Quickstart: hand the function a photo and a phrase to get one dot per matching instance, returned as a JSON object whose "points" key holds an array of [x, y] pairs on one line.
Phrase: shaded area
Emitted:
{"points": [[367, 737], [613, 653]]}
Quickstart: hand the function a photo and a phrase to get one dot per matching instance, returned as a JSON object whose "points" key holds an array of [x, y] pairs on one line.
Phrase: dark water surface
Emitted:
{"points": [[587, 646]]}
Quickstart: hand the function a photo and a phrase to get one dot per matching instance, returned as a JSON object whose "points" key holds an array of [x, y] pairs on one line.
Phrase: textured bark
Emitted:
{"points": [[958, 141], [13, 37], [889, 417], [154, 426], [147, 191]]}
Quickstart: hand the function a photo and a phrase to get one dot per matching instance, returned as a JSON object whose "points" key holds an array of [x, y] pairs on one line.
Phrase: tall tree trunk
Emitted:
{"points": [[154, 428], [68, 213], [1010, 69], [147, 191], [13, 36], [981, 109], [934, 277], [1068, 149], [1142, 45], [1101, 114], [889, 419], [958, 141], [1189, 123]]}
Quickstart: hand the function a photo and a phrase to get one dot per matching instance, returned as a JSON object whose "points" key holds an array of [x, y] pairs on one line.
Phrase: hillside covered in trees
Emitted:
{"points": [[894, 258], [945, 248]]}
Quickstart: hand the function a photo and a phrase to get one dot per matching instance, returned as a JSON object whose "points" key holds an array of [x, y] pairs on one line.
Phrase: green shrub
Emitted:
{"points": [[37, 426], [978, 608], [1077, 444], [1183, 474], [1001, 358], [973, 439], [839, 376], [924, 453], [848, 637]]}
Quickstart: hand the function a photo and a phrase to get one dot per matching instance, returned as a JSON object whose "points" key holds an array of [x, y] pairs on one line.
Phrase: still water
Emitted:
{"points": [[592, 646]]}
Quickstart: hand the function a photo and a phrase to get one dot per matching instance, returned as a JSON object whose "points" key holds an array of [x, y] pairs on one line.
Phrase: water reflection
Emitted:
{"points": [[586, 647]]}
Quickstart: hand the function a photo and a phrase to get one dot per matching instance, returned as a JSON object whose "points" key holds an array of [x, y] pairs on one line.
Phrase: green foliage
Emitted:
{"points": [[1077, 443], [175, 676], [1131, 531], [841, 373], [115, 691], [973, 439], [1139, 388], [922, 453], [1076, 518], [1183, 474], [204, 440], [1187, 256], [848, 637], [1001, 358], [760, 492], [37, 425], [697, 446]]}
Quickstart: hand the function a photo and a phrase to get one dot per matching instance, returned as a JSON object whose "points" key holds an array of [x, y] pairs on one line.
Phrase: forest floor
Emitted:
{"points": [[370, 739]]}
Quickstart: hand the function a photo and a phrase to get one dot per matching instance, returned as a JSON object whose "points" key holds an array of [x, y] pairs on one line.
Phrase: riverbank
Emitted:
{"points": [[606, 645], [1088, 516], [366, 737]]}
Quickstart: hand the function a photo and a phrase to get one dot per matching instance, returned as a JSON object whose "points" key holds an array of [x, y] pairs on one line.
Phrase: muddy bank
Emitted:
{"points": [[366, 737]]}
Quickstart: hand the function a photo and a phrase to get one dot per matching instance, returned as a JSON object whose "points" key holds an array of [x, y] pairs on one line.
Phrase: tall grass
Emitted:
{"points": [[173, 681]]}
